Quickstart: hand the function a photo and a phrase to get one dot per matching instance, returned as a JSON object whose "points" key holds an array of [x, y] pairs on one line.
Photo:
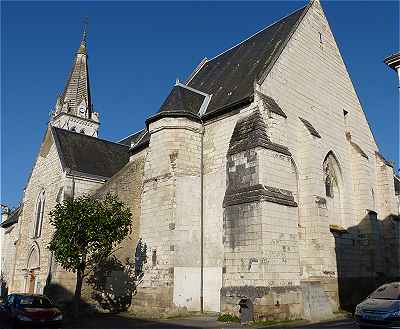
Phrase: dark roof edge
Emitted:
{"points": [[138, 147], [7, 223], [283, 45], [227, 108], [82, 174], [58, 148], [172, 114]]}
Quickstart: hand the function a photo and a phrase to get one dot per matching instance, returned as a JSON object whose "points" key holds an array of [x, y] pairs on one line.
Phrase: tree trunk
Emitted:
{"points": [[78, 292]]}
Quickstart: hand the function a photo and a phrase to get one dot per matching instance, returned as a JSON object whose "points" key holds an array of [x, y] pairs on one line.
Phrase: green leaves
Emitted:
{"points": [[87, 230]]}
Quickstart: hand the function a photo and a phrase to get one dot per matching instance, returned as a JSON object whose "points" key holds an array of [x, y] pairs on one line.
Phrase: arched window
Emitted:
{"points": [[73, 129], [39, 215], [82, 131], [333, 182], [328, 186]]}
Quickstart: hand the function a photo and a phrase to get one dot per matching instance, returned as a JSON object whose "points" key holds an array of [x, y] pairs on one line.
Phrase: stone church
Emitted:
{"points": [[258, 179]]}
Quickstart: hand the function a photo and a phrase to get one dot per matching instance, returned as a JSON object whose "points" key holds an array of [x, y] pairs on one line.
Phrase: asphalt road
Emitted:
{"points": [[127, 322], [123, 322]]}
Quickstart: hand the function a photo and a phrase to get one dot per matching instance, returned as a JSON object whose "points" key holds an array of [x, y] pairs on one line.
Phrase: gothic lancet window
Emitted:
{"points": [[329, 181], [328, 187], [39, 215], [333, 184]]}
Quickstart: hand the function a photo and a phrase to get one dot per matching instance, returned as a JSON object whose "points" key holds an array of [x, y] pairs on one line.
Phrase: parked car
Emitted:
{"points": [[30, 311], [381, 309]]}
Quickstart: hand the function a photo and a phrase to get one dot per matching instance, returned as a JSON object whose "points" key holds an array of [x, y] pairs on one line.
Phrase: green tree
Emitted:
{"points": [[87, 231]]}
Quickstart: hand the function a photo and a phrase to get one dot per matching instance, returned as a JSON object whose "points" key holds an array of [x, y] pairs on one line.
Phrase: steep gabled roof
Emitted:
{"points": [[90, 155], [182, 99], [230, 76]]}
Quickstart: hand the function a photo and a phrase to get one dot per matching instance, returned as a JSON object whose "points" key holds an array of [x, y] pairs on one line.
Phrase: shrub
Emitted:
{"points": [[227, 317]]}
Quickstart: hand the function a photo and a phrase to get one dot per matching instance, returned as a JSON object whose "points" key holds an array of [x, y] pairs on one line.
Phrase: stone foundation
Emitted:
{"points": [[276, 303]]}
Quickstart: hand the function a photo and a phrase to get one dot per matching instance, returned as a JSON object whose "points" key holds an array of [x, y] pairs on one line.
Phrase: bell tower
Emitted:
{"points": [[74, 110]]}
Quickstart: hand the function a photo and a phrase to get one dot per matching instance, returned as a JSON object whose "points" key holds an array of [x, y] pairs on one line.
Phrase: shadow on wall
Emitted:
{"points": [[367, 255], [111, 287], [114, 284], [63, 298]]}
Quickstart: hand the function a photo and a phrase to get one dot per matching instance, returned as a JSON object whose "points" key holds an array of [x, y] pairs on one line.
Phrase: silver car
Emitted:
{"points": [[381, 309]]}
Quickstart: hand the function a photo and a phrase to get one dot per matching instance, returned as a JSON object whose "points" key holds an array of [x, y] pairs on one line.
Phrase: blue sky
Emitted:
{"points": [[138, 49]]}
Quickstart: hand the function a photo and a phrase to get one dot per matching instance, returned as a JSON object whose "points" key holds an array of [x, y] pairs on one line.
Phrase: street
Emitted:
{"points": [[125, 322]]}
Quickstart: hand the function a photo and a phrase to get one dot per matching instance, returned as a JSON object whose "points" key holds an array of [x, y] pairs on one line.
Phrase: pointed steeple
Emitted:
{"points": [[76, 96], [75, 101]]}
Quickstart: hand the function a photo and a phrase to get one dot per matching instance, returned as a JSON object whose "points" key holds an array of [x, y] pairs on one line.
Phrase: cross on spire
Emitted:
{"points": [[85, 29]]}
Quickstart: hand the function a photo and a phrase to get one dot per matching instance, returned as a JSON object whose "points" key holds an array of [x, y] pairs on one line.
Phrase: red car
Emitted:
{"points": [[31, 311]]}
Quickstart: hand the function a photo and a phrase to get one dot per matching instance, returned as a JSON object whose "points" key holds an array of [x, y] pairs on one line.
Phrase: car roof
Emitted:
{"points": [[391, 284], [27, 294]]}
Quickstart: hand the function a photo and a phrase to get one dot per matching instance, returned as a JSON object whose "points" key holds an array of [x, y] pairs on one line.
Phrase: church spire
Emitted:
{"points": [[75, 101], [82, 47]]}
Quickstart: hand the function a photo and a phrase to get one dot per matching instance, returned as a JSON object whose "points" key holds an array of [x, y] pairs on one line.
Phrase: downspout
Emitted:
{"points": [[202, 111], [202, 220], [73, 186]]}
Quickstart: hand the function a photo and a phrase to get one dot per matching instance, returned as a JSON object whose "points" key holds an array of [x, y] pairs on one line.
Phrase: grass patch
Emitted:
{"points": [[260, 323], [227, 317]]}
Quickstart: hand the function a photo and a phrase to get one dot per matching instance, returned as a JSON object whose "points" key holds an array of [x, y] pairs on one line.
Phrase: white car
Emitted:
{"points": [[381, 309]]}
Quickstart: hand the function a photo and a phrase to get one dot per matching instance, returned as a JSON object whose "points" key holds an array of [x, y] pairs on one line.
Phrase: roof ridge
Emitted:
{"points": [[118, 142], [258, 32]]}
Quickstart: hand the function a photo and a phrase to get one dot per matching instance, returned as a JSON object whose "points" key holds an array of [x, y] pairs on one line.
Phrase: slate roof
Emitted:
{"points": [[310, 128], [77, 87], [12, 218], [230, 76], [90, 155], [182, 99]]}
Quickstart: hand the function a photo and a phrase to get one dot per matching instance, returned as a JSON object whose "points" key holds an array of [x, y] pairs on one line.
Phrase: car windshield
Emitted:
{"points": [[389, 291], [33, 302]]}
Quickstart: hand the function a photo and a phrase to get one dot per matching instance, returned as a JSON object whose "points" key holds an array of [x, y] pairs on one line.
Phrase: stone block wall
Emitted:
{"points": [[127, 184], [8, 257], [310, 80], [170, 216], [46, 175]]}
